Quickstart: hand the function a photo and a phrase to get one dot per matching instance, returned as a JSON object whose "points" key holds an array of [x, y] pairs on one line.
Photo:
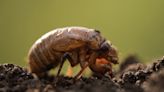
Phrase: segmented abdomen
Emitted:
{"points": [[42, 57]]}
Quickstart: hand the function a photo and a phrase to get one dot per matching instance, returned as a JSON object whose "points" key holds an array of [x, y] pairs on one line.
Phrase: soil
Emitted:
{"points": [[133, 77]]}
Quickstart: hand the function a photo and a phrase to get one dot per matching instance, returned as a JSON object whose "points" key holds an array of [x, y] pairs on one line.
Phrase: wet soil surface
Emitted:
{"points": [[132, 77]]}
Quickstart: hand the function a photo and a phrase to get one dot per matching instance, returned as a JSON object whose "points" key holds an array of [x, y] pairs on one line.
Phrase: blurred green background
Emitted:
{"points": [[134, 26]]}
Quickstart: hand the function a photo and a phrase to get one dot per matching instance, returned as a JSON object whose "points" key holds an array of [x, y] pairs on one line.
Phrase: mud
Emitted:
{"points": [[133, 77]]}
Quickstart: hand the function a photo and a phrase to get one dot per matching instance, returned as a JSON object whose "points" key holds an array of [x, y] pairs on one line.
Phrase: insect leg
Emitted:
{"points": [[81, 71], [61, 64], [83, 62], [73, 58]]}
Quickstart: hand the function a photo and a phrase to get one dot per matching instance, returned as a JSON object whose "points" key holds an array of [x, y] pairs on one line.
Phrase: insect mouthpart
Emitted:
{"points": [[112, 59]]}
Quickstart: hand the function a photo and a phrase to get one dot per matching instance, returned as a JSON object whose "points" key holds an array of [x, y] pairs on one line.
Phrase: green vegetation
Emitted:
{"points": [[134, 26]]}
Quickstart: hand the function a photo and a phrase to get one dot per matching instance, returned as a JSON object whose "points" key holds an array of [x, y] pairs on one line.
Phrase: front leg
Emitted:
{"points": [[79, 74], [92, 60], [100, 66], [83, 62], [87, 58]]}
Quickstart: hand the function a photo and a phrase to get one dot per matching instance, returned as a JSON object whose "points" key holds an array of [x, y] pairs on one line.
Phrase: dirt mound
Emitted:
{"points": [[139, 78]]}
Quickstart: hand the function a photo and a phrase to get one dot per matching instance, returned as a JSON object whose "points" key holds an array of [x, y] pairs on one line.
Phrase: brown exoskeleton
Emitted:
{"points": [[100, 66], [77, 44]]}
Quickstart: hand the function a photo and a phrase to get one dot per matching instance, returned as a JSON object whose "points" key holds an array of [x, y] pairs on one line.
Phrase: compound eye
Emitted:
{"points": [[105, 46]]}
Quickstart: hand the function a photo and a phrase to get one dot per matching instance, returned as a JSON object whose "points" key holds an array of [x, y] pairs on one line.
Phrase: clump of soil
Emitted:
{"points": [[135, 77], [12, 76], [155, 82], [158, 65]]}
